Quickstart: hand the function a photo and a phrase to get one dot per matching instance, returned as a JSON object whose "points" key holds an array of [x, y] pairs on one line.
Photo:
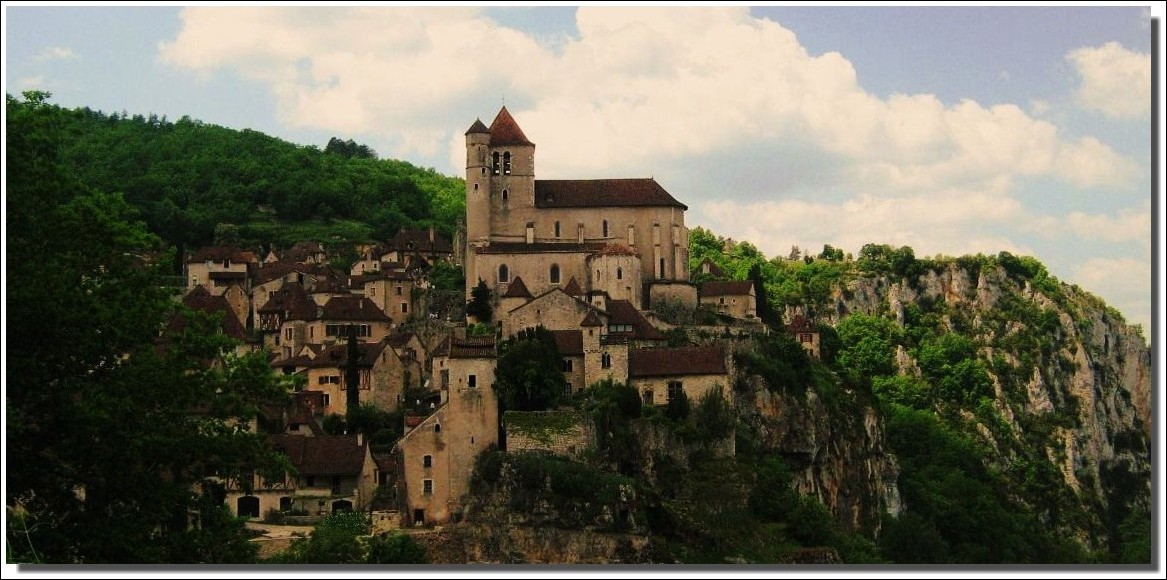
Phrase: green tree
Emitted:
{"points": [[395, 549], [529, 374], [480, 306], [114, 420], [867, 346]]}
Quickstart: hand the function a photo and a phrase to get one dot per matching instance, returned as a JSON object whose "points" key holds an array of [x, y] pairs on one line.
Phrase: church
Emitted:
{"points": [[622, 239]]}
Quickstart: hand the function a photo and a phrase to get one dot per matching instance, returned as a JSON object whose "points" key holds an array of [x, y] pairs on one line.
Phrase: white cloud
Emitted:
{"points": [[56, 53], [33, 82], [1123, 281], [637, 87], [1128, 225], [1115, 81]]}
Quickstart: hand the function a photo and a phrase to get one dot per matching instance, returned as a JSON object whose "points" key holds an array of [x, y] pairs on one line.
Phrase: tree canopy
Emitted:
{"points": [[529, 376], [119, 423]]}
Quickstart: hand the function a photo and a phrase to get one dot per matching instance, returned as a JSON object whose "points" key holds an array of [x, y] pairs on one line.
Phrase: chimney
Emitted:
{"points": [[360, 439]]}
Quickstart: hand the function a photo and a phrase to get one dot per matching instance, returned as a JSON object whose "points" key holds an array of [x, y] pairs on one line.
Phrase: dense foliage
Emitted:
{"points": [[187, 178], [529, 374], [118, 421]]}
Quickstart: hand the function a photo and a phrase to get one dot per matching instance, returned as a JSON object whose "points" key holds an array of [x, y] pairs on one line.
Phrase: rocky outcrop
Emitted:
{"points": [[838, 454]]}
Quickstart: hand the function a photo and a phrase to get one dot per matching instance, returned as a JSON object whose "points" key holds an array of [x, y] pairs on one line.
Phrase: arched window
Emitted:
{"points": [[554, 273], [557, 228], [504, 273], [506, 194], [619, 273], [606, 361], [506, 163], [605, 224], [495, 166]]}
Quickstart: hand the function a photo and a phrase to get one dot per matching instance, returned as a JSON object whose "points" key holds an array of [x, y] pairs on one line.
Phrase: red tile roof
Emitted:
{"points": [[517, 289], [800, 324], [220, 253], [291, 302], [471, 347], [665, 362], [324, 455], [602, 193], [419, 241], [569, 342], [505, 131], [732, 288], [355, 308], [622, 312]]}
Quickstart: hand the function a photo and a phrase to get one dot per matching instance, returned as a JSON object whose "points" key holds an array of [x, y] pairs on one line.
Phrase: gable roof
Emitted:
{"points": [[290, 301], [713, 269], [624, 313], [591, 319], [569, 342], [352, 308], [517, 289], [505, 131], [602, 193], [323, 455], [201, 299], [723, 288], [419, 240], [665, 362], [336, 356]]}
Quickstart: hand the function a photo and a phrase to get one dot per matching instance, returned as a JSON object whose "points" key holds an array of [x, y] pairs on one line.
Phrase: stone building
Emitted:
{"points": [[625, 237]]}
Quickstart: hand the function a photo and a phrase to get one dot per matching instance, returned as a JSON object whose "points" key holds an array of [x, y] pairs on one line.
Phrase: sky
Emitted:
{"points": [[953, 130]]}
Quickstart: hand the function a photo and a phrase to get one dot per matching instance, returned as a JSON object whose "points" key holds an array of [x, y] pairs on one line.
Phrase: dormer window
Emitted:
{"points": [[495, 165], [506, 163]]}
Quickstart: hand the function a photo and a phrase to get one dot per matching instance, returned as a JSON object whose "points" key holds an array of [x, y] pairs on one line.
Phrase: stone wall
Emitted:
{"points": [[561, 432]]}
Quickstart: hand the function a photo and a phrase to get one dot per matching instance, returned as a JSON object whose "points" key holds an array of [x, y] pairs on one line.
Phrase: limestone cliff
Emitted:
{"points": [[1070, 384]]}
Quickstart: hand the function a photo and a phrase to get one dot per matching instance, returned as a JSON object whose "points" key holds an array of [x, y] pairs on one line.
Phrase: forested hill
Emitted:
{"points": [[187, 176]]}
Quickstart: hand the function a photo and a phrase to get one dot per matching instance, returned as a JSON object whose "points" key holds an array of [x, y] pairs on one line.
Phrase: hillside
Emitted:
{"points": [[186, 177]]}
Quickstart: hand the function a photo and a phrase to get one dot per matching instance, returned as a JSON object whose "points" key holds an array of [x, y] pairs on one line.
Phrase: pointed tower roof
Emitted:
{"points": [[517, 289], [592, 319], [477, 127], [505, 131], [572, 288]]}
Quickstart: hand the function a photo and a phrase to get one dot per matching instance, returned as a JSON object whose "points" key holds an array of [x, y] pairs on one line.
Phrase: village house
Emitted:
{"points": [[435, 457], [660, 374], [386, 368], [734, 298], [232, 325], [329, 323], [218, 267], [416, 248], [806, 333]]}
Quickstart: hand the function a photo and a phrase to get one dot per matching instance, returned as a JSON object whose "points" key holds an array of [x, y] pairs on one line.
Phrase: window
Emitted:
{"points": [[475, 187], [619, 328], [194, 280], [404, 307], [437, 427], [427, 461], [675, 389], [662, 267], [567, 365], [619, 273], [427, 485], [556, 228], [494, 167], [506, 163], [504, 274], [399, 290], [806, 337], [605, 228], [554, 273], [373, 291], [342, 329], [606, 361], [472, 381], [328, 380], [567, 389], [721, 300], [647, 396], [506, 194], [327, 400], [288, 334]]}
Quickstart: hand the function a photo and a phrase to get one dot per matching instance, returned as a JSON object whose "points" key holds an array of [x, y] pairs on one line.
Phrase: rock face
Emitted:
{"points": [[1057, 357], [839, 452]]}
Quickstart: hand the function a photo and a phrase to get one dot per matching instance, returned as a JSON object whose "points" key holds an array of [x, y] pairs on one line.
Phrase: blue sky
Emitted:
{"points": [[953, 130]]}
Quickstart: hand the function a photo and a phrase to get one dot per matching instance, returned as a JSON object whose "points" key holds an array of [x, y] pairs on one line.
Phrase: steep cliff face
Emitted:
{"points": [[838, 453], [1070, 384]]}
